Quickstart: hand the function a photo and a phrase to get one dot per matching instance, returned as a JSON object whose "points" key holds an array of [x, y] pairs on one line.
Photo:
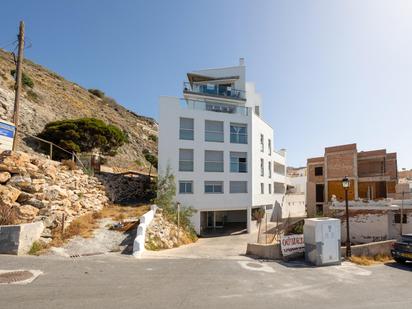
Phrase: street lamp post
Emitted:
{"points": [[346, 185]]}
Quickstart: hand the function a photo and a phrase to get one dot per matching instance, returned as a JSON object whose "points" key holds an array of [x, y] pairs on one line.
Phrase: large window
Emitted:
{"points": [[238, 133], [214, 131], [186, 128], [262, 167], [278, 187], [213, 161], [279, 168], [213, 186], [186, 160], [238, 162], [262, 143], [238, 187], [185, 187]]}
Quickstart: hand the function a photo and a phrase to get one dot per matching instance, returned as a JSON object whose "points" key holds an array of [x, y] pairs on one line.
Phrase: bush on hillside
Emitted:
{"points": [[98, 93], [153, 138], [84, 135], [151, 158], [25, 79]]}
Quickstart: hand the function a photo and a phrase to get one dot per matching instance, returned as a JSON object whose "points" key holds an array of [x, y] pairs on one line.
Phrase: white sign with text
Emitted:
{"points": [[292, 244]]}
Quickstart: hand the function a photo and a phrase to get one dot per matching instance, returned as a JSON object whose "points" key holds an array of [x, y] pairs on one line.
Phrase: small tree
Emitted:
{"points": [[84, 135], [166, 191]]}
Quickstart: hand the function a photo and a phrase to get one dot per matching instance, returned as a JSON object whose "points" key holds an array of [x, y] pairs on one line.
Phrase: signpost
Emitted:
{"points": [[7, 134], [292, 244]]}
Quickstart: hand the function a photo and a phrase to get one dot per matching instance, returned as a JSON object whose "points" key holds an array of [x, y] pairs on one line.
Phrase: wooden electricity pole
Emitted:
{"points": [[17, 86]]}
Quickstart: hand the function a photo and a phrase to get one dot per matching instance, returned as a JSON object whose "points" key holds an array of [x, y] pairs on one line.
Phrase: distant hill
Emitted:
{"points": [[54, 98]]}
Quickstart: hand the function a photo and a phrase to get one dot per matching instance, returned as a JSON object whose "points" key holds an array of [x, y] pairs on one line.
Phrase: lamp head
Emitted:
{"points": [[345, 182]]}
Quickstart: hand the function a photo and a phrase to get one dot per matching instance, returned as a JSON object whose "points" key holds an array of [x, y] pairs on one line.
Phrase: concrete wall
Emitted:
{"points": [[140, 240], [18, 239], [371, 249], [294, 206], [270, 251]]}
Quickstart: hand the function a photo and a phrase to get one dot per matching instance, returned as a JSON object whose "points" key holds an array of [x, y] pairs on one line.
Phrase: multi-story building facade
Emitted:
{"points": [[220, 150], [373, 175]]}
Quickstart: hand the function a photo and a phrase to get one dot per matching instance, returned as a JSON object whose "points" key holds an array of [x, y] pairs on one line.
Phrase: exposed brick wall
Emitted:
{"points": [[340, 165]]}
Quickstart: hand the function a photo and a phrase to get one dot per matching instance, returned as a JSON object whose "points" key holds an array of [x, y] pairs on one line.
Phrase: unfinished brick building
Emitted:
{"points": [[373, 175]]}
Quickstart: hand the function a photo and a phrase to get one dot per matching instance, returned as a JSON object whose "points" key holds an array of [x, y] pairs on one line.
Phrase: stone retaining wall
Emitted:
{"points": [[371, 249]]}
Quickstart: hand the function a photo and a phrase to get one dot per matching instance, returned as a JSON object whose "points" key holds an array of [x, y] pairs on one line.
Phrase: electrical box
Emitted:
{"points": [[322, 241]]}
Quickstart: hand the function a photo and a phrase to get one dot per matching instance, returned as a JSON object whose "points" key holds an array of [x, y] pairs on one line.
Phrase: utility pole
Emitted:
{"points": [[403, 197], [17, 86]]}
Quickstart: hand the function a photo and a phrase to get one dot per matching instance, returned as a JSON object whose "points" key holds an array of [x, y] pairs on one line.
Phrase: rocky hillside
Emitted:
{"points": [[54, 98], [33, 188]]}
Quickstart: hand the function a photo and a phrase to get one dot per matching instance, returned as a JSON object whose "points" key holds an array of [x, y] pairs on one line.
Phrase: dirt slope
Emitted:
{"points": [[54, 98]]}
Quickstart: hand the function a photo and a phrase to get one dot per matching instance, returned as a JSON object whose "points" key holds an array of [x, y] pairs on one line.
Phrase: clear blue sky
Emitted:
{"points": [[330, 72]]}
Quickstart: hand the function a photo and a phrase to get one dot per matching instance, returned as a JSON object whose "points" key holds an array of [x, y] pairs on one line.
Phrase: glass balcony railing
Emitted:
{"points": [[215, 107], [215, 90]]}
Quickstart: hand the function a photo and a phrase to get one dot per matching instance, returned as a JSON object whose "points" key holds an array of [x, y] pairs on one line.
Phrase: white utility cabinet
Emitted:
{"points": [[322, 241]]}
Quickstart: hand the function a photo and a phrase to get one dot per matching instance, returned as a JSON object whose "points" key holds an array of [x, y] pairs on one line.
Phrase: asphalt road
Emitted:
{"points": [[114, 281]]}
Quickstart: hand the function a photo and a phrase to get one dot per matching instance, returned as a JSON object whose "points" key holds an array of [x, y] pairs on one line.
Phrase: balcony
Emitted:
{"points": [[214, 90], [216, 107]]}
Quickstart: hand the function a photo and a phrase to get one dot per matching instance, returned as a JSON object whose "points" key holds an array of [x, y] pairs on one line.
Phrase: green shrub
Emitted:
{"points": [[98, 93], [35, 249], [153, 137], [151, 158], [32, 96], [84, 135], [25, 79], [166, 191]]}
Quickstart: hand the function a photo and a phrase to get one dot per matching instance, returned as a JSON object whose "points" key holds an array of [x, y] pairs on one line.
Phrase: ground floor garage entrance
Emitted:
{"points": [[223, 222]]}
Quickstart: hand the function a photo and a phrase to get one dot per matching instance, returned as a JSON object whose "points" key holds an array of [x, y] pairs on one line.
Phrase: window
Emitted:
{"points": [[270, 188], [397, 218], [213, 186], [186, 160], [213, 161], [270, 169], [238, 133], [262, 141], [238, 162], [279, 168], [278, 187], [269, 147], [262, 169], [214, 131], [262, 188], [319, 210], [185, 187], [238, 187], [318, 171], [186, 129]]}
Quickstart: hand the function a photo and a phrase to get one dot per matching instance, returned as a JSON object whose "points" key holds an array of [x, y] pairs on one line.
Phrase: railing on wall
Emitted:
{"points": [[50, 146]]}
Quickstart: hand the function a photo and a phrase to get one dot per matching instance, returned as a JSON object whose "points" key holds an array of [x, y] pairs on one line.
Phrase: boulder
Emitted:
{"points": [[24, 196], [26, 213], [35, 203], [20, 182], [54, 192], [9, 194], [4, 177]]}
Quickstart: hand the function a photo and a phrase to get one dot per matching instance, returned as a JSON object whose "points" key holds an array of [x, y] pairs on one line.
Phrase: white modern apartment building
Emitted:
{"points": [[220, 150]]}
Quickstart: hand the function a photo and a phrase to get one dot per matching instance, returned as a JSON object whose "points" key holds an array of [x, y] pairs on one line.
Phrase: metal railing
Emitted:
{"points": [[215, 90], [51, 147], [213, 106]]}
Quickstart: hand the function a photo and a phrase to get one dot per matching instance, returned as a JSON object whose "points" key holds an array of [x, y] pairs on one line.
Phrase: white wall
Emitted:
{"points": [[294, 206]]}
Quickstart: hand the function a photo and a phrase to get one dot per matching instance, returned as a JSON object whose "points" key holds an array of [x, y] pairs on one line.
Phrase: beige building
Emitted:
{"points": [[373, 176]]}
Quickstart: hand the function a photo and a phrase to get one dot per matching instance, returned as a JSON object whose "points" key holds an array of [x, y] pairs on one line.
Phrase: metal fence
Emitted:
{"points": [[46, 147]]}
